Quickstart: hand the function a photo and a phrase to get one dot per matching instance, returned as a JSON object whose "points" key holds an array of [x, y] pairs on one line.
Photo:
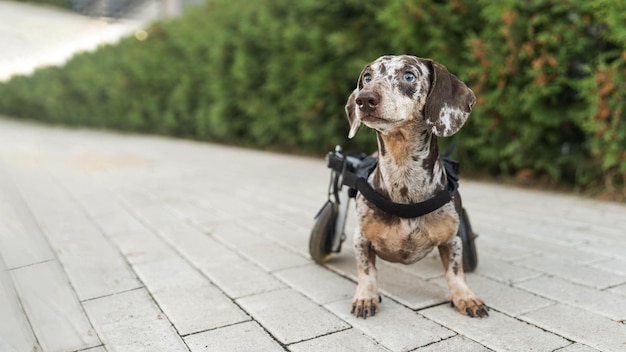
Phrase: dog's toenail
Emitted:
{"points": [[469, 312]]}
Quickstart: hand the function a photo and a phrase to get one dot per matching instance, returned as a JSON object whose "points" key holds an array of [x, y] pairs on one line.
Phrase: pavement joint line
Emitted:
{"points": [[325, 334], [113, 294], [219, 327], [445, 339], [90, 348], [28, 319], [33, 264]]}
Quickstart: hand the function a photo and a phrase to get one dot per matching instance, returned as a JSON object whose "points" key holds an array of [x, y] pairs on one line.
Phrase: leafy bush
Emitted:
{"points": [[58, 3], [532, 68], [549, 76]]}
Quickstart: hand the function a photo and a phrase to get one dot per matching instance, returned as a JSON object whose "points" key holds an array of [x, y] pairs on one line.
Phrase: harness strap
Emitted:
{"points": [[403, 210]]}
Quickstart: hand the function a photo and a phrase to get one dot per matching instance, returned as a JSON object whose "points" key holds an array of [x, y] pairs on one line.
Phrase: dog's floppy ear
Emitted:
{"points": [[355, 122], [449, 102]]}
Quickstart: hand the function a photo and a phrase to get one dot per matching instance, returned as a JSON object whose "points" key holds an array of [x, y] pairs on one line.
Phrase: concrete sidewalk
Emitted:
{"points": [[33, 36], [115, 242]]}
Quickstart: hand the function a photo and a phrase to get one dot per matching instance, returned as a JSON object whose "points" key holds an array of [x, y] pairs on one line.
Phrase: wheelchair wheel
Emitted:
{"points": [[470, 257], [322, 233]]}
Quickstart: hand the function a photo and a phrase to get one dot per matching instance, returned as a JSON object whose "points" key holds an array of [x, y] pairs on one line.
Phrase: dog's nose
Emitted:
{"points": [[367, 100]]}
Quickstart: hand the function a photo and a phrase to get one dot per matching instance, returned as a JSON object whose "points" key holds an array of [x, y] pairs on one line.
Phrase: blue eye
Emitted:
{"points": [[409, 77], [367, 78]]}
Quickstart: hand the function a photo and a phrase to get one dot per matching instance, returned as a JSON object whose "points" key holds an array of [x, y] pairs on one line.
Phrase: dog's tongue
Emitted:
{"points": [[354, 128]]}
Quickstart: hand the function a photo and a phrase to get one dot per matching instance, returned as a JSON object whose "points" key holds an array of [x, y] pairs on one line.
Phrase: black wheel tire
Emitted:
{"points": [[470, 257], [322, 233]]}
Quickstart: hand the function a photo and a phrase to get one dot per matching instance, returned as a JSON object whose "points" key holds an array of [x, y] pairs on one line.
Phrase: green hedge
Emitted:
{"points": [[66, 4], [549, 76]]}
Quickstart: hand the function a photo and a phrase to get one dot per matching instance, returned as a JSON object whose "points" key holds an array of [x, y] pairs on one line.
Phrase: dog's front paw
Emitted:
{"points": [[365, 303], [472, 306]]}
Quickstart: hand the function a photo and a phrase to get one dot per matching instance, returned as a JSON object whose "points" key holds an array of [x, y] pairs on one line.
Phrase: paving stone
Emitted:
{"points": [[502, 271], [257, 247], [136, 242], [15, 331], [229, 271], [95, 268], [401, 283], [499, 246], [580, 326], [143, 246], [551, 225], [21, 241], [616, 265], [498, 332], [343, 341], [568, 251], [239, 278], [284, 232], [118, 223], [601, 245], [344, 263], [95, 202], [159, 218], [318, 283], [130, 321], [289, 316], [620, 290], [577, 347], [52, 308], [573, 271], [271, 256], [605, 303], [427, 268], [187, 297], [195, 210], [95, 349], [235, 235], [409, 289], [503, 298], [457, 343], [244, 337], [394, 326]]}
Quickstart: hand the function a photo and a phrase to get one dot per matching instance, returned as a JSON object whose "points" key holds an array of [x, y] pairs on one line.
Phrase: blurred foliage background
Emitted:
{"points": [[550, 77]]}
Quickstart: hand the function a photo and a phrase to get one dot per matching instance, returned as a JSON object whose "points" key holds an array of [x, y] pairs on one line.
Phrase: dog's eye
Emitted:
{"points": [[367, 78], [409, 77]]}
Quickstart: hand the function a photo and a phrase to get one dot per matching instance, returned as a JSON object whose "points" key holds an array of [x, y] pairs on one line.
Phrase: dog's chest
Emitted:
{"points": [[407, 240]]}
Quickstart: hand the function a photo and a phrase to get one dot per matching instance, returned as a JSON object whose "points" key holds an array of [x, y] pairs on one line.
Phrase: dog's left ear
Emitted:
{"points": [[448, 103], [355, 122]]}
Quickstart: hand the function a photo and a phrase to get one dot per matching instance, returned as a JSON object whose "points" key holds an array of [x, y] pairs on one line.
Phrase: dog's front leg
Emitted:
{"points": [[463, 298], [366, 298]]}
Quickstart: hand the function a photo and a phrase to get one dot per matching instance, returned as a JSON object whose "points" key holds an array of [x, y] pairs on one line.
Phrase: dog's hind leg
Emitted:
{"points": [[462, 296], [366, 298]]}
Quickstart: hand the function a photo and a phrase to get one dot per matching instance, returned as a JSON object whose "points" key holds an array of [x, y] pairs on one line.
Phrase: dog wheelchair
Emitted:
{"points": [[348, 176]]}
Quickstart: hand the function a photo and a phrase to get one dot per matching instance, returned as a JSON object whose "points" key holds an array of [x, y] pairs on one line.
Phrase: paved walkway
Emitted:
{"points": [[112, 242], [33, 36]]}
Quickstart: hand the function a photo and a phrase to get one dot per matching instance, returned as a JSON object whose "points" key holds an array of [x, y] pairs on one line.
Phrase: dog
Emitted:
{"points": [[409, 102]]}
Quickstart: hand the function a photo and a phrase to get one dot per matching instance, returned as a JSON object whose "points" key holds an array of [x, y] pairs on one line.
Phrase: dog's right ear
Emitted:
{"points": [[355, 122]]}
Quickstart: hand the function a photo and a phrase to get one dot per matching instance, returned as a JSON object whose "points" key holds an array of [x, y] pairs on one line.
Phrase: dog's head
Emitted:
{"points": [[394, 90]]}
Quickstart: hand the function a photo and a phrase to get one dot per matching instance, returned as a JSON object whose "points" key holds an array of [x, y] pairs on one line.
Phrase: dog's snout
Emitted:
{"points": [[367, 100]]}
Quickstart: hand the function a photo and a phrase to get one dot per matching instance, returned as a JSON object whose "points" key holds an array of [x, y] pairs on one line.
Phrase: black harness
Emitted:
{"points": [[355, 177]]}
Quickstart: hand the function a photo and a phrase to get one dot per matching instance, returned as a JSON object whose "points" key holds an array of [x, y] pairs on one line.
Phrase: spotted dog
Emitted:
{"points": [[410, 102]]}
